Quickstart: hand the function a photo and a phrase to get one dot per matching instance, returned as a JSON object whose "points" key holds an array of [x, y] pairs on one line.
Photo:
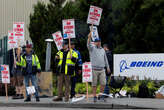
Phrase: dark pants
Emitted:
{"points": [[106, 89], [73, 85]]}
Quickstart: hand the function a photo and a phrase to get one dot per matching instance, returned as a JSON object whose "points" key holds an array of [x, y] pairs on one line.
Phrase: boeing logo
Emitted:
{"points": [[123, 66], [140, 64]]}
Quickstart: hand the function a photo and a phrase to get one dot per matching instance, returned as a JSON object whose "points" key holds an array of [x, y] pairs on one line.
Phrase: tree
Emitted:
{"points": [[139, 26], [47, 19]]}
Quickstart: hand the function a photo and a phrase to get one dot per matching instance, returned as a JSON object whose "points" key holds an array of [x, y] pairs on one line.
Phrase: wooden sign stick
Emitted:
{"points": [[87, 90], [70, 46], [6, 90]]}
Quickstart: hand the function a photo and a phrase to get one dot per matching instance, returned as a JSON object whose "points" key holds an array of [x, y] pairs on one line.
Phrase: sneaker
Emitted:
{"points": [[94, 99], [37, 99], [102, 98], [57, 99], [72, 96], [15, 97], [28, 99], [21, 96]]}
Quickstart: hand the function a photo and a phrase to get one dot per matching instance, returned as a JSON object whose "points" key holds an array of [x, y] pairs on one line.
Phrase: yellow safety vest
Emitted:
{"points": [[70, 65], [35, 62]]}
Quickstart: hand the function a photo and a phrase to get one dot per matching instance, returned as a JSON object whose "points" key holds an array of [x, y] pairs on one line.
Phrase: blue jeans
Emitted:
{"points": [[106, 89], [33, 79]]}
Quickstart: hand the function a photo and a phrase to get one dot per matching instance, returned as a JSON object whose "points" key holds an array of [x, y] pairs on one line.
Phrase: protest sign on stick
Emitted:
{"points": [[69, 28], [87, 75], [58, 39], [94, 15], [18, 29], [5, 74], [12, 43]]}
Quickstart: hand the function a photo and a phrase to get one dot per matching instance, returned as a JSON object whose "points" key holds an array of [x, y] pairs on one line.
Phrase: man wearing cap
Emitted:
{"points": [[99, 62], [31, 67], [78, 69], [66, 59]]}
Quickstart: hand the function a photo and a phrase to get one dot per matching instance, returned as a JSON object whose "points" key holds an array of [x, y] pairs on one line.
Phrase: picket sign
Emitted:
{"points": [[12, 42], [58, 39], [94, 33], [87, 74], [30, 90], [94, 15], [18, 29], [5, 74], [68, 28]]}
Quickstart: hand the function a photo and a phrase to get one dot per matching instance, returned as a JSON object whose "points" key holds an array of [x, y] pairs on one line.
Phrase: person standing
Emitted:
{"points": [[66, 59], [31, 68], [78, 70], [17, 73], [99, 62], [110, 61]]}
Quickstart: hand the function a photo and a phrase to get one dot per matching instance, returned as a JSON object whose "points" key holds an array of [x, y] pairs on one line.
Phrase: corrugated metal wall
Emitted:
{"points": [[14, 11]]}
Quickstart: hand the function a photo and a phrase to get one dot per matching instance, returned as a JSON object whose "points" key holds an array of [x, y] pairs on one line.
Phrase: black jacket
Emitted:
{"points": [[110, 59]]}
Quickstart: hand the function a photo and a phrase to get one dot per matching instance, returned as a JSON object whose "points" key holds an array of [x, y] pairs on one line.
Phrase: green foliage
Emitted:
{"points": [[138, 25]]}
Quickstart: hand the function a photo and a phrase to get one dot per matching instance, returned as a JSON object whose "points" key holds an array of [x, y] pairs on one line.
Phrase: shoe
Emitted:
{"points": [[15, 97], [105, 95], [37, 99], [94, 99], [72, 96], [99, 96], [66, 100], [102, 98], [57, 99], [21, 96], [28, 99]]}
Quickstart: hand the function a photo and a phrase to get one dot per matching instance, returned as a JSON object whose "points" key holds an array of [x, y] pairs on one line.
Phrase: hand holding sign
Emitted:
{"points": [[30, 90]]}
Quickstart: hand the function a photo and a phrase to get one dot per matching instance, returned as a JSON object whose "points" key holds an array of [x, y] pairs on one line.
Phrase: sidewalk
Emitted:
{"points": [[124, 103]]}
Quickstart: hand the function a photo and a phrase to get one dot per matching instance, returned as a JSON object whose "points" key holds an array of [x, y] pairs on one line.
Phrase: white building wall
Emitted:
{"points": [[15, 11]]}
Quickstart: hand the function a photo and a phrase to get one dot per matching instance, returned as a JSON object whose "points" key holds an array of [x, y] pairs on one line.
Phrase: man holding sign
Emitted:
{"points": [[99, 61], [66, 59], [31, 67]]}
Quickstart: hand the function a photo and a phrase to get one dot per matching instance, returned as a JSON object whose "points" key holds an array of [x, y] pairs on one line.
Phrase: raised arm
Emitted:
{"points": [[89, 45]]}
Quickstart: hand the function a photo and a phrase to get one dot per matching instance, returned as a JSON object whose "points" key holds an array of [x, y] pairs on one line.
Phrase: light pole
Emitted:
{"points": [[48, 54]]}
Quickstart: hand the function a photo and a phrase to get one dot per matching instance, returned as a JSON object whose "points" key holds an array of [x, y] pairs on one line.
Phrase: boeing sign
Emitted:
{"points": [[142, 65], [145, 64]]}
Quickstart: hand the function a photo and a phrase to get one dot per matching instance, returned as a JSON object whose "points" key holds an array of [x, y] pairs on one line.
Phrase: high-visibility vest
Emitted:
{"points": [[69, 62], [21, 62], [35, 62]]}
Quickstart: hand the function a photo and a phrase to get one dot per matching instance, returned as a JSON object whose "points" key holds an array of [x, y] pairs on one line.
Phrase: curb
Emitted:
{"points": [[71, 105]]}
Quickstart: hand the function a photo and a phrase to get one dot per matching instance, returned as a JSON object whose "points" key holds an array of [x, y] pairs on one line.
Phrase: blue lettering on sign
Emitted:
{"points": [[140, 64]]}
